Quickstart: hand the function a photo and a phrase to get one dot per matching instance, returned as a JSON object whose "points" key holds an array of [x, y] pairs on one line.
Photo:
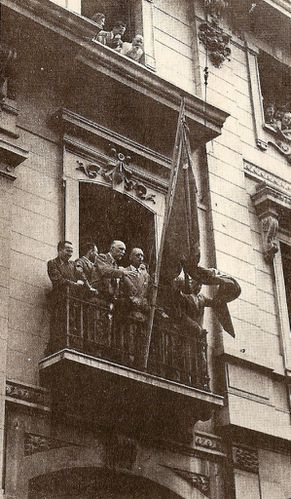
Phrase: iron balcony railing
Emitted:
{"points": [[100, 330]]}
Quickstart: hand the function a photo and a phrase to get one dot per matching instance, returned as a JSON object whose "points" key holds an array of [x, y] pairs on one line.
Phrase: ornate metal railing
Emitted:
{"points": [[100, 330]]}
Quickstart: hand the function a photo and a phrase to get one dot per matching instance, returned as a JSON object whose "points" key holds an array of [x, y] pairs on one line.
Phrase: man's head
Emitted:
{"points": [[117, 250], [137, 41], [286, 120], [119, 28], [90, 251], [65, 250], [99, 19], [280, 112], [270, 110], [136, 257]]}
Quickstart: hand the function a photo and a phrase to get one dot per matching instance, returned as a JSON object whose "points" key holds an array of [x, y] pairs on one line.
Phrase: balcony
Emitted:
{"points": [[94, 370]]}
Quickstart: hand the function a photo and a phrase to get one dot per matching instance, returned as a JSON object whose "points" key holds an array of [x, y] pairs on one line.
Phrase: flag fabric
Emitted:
{"points": [[180, 234]]}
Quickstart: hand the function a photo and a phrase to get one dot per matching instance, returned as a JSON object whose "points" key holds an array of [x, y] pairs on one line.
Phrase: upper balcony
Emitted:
{"points": [[63, 42], [96, 369]]}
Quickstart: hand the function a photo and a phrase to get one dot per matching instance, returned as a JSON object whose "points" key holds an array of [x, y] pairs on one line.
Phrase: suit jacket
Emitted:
{"points": [[136, 287], [61, 273], [85, 268], [106, 275]]}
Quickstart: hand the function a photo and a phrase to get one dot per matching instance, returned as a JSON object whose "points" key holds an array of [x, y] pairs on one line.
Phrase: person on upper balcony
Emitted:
{"points": [[107, 273], [113, 38], [62, 271], [133, 50]]}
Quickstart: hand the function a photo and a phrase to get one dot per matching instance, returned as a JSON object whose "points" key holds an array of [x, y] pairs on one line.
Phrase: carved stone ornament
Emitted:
{"points": [[215, 42], [278, 122], [246, 459], [207, 442], [117, 173], [272, 206], [270, 227], [197, 480], [39, 443], [26, 393]]}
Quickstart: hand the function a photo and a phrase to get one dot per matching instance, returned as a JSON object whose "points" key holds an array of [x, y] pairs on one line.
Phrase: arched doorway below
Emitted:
{"points": [[92, 483]]}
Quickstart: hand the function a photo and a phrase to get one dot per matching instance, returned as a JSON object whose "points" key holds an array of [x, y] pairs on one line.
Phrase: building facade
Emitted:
{"points": [[86, 144]]}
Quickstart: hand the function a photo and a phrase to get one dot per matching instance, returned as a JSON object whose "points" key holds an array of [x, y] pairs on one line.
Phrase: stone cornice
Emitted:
{"points": [[207, 118], [268, 199], [71, 120], [10, 157], [267, 177]]}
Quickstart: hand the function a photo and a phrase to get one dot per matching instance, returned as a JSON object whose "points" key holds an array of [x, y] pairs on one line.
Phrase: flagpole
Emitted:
{"points": [[172, 183]]}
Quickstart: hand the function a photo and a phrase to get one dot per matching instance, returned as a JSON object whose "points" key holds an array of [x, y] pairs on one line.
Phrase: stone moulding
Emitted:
{"points": [[267, 177], [28, 395]]}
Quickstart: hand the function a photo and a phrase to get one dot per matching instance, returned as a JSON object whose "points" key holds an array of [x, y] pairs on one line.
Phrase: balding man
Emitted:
{"points": [[108, 273]]}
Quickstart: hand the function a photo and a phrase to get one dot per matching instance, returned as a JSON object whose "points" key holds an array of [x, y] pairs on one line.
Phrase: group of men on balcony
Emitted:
{"points": [[100, 276], [114, 38]]}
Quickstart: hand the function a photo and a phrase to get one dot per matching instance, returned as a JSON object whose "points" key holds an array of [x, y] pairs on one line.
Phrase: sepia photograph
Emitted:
{"points": [[145, 249]]}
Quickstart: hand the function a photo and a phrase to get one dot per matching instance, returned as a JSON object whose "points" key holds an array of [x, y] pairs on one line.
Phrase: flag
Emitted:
{"points": [[180, 234]]}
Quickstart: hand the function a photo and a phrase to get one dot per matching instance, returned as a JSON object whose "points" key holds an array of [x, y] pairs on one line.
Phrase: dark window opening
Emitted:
{"points": [[121, 10], [275, 79], [106, 215], [286, 263]]}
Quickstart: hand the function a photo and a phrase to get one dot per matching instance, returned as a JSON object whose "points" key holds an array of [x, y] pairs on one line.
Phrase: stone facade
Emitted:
{"points": [[65, 102]]}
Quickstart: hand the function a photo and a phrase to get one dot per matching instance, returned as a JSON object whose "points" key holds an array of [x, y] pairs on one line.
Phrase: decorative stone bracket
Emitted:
{"points": [[272, 206]]}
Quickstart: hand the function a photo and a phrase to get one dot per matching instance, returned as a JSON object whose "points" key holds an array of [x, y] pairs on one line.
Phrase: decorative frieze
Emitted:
{"points": [[38, 443], [267, 177], [246, 459], [197, 480], [118, 174], [215, 41], [27, 394]]}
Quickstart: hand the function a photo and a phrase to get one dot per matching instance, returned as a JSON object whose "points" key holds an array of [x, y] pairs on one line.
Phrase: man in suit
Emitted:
{"points": [[63, 275], [133, 308], [135, 288], [107, 273], [85, 266], [62, 271]]}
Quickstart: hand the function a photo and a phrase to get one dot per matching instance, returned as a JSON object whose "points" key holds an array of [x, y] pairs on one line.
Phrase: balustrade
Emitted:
{"points": [[100, 330]]}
